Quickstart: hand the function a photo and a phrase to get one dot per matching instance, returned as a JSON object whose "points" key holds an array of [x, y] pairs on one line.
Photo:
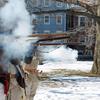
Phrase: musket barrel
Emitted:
{"points": [[48, 35], [49, 44]]}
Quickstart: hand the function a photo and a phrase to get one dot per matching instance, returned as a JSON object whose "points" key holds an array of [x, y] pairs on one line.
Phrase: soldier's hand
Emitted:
{"points": [[31, 70]]}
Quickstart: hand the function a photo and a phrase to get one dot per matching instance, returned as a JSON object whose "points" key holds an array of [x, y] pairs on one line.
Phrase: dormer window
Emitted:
{"points": [[46, 3], [59, 4]]}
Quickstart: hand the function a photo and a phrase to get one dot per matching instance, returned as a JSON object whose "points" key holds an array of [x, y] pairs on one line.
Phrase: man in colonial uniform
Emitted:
{"points": [[11, 88], [16, 83]]}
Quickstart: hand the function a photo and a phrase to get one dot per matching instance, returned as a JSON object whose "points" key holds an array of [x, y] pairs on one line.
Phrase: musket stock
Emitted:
{"points": [[38, 38]]}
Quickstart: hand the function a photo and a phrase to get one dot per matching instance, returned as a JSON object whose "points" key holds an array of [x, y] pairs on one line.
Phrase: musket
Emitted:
{"points": [[43, 38], [48, 35], [39, 38]]}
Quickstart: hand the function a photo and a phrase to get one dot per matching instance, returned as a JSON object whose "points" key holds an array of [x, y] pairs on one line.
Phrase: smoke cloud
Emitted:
{"points": [[61, 54], [2, 95], [15, 16], [15, 21]]}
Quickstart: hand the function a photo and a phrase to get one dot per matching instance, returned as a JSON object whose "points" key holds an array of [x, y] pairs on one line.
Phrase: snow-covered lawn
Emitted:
{"points": [[77, 65], [71, 87]]}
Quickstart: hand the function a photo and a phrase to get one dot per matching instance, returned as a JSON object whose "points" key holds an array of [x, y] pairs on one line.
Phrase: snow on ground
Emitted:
{"points": [[77, 65], [63, 58], [71, 87]]}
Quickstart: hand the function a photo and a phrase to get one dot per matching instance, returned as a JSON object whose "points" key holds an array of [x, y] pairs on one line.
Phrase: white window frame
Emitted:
{"points": [[82, 21], [57, 19], [44, 3], [46, 31], [59, 31], [48, 19], [59, 4]]}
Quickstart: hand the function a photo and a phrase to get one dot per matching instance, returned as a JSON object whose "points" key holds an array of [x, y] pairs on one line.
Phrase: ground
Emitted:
{"points": [[69, 87], [65, 78]]}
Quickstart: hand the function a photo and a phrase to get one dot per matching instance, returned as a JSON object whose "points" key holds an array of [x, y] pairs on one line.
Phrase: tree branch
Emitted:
{"points": [[88, 7]]}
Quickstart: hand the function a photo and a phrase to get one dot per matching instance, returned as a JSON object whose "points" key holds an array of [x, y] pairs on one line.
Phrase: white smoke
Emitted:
{"points": [[61, 54], [2, 95], [16, 18]]}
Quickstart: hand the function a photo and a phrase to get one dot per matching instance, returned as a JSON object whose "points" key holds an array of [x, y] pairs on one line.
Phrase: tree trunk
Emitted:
{"points": [[96, 65]]}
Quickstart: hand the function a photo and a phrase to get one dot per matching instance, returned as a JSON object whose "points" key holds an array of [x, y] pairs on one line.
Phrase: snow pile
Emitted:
{"points": [[61, 54], [63, 58]]}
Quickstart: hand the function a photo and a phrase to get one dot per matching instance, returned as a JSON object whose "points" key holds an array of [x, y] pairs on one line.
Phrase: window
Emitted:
{"points": [[82, 21], [35, 2], [47, 31], [59, 31], [82, 39], [58, 19], [89, 52], [59, 4], [46, 19], [46, 3], [70, 22], [80, 52]]}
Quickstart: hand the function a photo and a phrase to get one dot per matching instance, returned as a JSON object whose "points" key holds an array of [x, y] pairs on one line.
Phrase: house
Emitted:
{"points": [[51, 17], [53, 22], [83, 41]]}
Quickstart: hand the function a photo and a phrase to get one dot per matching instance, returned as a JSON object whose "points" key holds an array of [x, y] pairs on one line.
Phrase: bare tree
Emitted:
{"points": [[96, 65], [93, 11]]}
